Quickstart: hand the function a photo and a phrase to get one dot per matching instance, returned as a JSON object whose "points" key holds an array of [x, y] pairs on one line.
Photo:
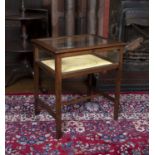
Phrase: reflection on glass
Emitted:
{"points": [[75, 42]]}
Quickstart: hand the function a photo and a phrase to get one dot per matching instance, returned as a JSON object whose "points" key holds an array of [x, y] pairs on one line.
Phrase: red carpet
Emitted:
{"points": [[89, 129]]}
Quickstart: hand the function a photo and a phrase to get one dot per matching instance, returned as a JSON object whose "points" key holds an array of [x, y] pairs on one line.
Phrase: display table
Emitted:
{"points": [[74, 56]]}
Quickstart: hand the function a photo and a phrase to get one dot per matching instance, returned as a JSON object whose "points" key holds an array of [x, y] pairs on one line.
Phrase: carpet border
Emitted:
{"points": [[129, 92]]}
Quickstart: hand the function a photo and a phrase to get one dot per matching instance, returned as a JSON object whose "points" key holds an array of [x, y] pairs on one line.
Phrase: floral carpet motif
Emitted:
{"points": [[89, 128]]}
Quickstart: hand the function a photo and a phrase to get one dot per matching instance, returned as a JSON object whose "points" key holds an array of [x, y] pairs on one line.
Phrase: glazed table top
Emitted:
{"points": [[75, 43]]}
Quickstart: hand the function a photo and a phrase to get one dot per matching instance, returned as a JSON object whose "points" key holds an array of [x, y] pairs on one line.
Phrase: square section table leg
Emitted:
{"points": [[118, 85], [91, 84], [58, 89]]}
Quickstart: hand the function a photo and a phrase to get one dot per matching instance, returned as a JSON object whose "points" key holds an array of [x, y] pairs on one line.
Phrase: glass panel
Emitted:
{"points": [[110, 55], [75, 42], [45, 55]]}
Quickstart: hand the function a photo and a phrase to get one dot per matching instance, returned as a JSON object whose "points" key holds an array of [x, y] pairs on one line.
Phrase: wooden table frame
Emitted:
{"points": [[39, 45]]}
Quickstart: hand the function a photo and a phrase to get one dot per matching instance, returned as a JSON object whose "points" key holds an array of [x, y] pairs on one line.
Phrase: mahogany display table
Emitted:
{"points": [[74, 56]]}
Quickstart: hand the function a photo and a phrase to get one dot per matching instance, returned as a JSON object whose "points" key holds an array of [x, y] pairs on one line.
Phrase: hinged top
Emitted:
{"points": [[75, 43]]}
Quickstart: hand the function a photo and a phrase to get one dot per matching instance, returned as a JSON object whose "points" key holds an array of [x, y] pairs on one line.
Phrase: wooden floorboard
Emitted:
{"points": [[130, 81]]}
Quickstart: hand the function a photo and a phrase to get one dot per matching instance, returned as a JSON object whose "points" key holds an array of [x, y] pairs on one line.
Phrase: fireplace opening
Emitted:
{"points": [[134, 30]]}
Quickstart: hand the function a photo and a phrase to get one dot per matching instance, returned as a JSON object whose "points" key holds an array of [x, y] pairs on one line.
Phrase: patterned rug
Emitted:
{"points": [[89, 129]]}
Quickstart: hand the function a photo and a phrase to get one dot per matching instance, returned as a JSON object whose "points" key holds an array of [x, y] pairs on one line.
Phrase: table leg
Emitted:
{"points": [[58, 89], [91, 84], [36, 80], [118, 85], [117, 94]]}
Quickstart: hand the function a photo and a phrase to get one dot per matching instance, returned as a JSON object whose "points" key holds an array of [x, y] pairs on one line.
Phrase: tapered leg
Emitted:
{"points": [[58, 89]]}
